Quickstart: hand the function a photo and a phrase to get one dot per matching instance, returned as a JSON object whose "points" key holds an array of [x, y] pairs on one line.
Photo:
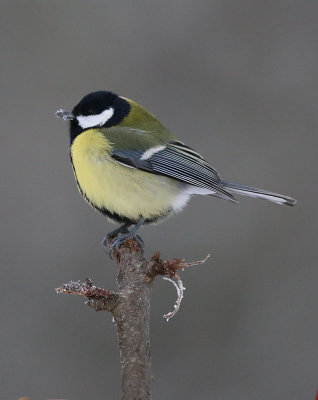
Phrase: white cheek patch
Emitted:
{"points": [[88, 121], [150, 152]]}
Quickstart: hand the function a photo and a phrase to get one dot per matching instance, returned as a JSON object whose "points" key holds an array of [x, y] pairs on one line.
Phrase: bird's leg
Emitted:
{"points": [[111, 235], [123, 236], [121, 229]]}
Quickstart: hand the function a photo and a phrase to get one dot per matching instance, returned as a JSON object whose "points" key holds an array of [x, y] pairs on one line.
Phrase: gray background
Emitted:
{"points": [[237, 80]]}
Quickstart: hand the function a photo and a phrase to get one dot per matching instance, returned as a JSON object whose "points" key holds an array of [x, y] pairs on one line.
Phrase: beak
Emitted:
{"points": [[66, 115]]}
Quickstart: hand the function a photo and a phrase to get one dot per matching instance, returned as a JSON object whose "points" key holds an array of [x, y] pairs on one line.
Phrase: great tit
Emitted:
{"points": [[133, 170]]}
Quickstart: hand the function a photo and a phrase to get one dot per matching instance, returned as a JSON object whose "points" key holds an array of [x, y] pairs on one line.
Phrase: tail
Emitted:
{"points": [[259, 193]]}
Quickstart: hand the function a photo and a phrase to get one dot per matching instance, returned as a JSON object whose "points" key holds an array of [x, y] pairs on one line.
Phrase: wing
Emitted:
{"points": [[178, 161]]}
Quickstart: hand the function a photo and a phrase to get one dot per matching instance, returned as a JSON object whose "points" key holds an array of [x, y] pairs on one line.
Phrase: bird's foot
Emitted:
{"points": [[119, 236], [108, 239], [123, 237], [113, 241]]}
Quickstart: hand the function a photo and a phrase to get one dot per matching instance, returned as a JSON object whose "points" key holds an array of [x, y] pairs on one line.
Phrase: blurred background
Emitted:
{"points": [[236, 80]]}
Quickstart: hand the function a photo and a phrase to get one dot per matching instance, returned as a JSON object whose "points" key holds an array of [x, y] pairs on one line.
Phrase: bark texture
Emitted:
{"points": [[132, 319]]}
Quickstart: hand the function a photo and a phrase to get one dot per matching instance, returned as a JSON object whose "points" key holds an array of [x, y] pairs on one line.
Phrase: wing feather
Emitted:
{"points": [[177, 161]]}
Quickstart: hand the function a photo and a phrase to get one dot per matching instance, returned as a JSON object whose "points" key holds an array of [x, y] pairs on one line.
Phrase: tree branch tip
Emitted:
{"points": [[85, 289], [171, 272], [169, 268], [97, 298], [74, 287], [193, 263], [180, 289]]}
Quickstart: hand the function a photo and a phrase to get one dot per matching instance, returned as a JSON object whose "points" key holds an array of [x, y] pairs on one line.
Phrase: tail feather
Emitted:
{"points": [[259, 193]]}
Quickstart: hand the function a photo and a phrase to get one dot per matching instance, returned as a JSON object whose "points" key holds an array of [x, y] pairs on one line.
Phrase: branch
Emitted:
{"points": [[169, 270], [130, 307], [99, 299], [180, 288]]}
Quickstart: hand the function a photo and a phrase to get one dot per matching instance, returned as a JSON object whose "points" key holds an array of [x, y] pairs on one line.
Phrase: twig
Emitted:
{"points": [[99, 299], [193, 263], [180, 288], [130, 307]]}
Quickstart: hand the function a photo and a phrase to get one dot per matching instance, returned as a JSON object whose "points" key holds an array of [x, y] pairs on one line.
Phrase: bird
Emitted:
{"points": [[133, 170]]}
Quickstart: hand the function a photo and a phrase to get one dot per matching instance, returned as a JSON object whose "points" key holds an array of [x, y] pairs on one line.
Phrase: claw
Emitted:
{"points": [[121, 239], [118, 237], [107, 241]]}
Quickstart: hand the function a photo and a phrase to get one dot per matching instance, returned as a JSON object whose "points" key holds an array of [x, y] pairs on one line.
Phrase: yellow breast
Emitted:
{"points": [[110, 185]]}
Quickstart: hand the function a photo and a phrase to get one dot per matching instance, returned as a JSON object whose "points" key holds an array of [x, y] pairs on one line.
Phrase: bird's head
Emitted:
{"points": [[100, 109]]}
